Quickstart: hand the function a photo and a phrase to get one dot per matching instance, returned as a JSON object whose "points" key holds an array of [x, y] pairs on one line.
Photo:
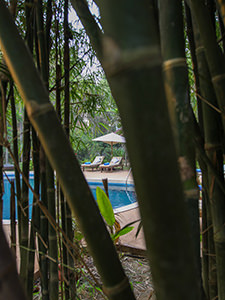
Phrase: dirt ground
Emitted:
{"points": [[137, 271]]}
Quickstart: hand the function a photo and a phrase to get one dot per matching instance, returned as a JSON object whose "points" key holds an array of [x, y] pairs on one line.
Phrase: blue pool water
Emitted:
{"points": [[6, 195], [119, 195]]}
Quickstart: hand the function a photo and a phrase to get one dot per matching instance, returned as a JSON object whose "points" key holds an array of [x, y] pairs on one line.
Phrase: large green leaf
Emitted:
{"points": [[105, 206]]}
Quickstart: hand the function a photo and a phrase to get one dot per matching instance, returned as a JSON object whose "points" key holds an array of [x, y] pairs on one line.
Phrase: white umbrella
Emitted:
{"points": [[111, 139]]}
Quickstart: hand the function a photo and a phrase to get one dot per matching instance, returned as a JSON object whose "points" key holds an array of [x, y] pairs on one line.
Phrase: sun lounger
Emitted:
{"points": [[115, 162], [94, 165]]}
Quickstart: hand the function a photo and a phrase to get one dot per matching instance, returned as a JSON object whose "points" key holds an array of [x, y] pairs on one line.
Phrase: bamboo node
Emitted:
{"points": [[192, 193], [174, 62], [199, 50], [116, 289], [186, 171], [117, 60], [218, 78], [212, 147], [34, 109]]}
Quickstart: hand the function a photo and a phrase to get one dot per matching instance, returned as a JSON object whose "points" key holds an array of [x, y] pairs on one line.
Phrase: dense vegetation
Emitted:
{"points": [[163, 62]]}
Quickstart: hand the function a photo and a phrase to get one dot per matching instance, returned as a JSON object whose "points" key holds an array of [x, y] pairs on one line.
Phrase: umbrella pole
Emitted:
{"points": [[112, 149]]}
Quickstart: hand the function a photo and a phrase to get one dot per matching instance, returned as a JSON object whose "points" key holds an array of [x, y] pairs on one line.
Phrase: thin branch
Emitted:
{"points": [[207, 102]]}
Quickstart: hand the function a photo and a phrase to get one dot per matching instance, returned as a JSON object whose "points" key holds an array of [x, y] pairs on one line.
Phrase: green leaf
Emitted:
{"points": [[105, 206], [138, 229], [121, 232], [78, 236]]}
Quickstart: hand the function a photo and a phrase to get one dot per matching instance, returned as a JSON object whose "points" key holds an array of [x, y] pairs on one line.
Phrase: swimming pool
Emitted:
{"points": [[121, 196], [6, 196]]}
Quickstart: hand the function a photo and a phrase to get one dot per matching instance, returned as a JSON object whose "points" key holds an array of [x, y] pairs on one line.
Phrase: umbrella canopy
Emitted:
{"points": [[111, 139]]}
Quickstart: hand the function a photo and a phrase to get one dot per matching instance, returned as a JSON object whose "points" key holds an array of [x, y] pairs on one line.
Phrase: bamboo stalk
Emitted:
{"points": [[25, 201], [1, 155], [60, 244], [60, 200], [221, 5], [1, 183], [222, 30], [106, 187], [203, 166], [11, 288], [212, 125], [205, 241], [16, 157], [69, 230], [13, 217], [31, 257], [43, 41], [213, 52], [48, 27], [25, 167], [13, 7], [34, 226], [132, 63], [52, 238], [177, 92], [64, 250], [42, 51], [56, 146], [43, 243]]}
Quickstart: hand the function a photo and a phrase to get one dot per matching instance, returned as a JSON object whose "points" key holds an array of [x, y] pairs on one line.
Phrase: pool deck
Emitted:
{"points": [[114, 176], [126, 216]]}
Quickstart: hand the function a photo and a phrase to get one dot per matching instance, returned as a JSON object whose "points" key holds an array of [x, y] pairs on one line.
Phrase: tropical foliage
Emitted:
{"points": [[163, 63]]}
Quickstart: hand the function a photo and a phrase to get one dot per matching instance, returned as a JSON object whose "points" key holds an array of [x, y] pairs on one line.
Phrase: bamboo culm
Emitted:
{"points": [[8, 267], [177, 92], [69, 230], [35, 216], [16, 156], [213, 52], [213, 148], [25, 200], [135, 73], [13, 217], [43, 243], [56, 146], [43, 41]]}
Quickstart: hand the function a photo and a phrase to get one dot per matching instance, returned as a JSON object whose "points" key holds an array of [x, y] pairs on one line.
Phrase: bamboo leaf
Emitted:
{"points": [[121, 232], [105, 206], [138, 229]]}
